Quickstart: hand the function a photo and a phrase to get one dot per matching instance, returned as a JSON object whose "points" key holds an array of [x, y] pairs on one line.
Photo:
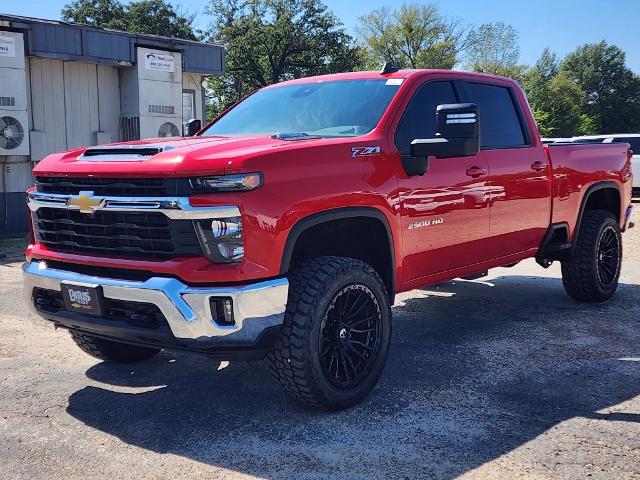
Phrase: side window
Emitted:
{"points": [[500, 125], [419, 118]]}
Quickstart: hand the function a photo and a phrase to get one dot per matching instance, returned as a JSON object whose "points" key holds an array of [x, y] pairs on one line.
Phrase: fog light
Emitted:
{"points": [[222, 310]]}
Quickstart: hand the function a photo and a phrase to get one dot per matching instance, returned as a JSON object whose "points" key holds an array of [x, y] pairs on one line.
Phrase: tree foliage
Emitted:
{"points": [[591, 91], [414, 36], [156, 17], [493, 48], [610, 90], [555, 99], [268, 41]]}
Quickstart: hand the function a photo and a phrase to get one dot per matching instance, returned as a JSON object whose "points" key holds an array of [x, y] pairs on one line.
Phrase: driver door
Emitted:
{"points": [[445, 214]]}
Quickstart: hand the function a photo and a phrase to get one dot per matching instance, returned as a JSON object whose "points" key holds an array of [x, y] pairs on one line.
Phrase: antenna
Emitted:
{"points": [[389, 67]]}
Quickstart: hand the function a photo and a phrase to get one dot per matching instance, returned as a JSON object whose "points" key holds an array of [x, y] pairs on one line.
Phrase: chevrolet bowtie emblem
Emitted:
{"points": [[86, 202]]}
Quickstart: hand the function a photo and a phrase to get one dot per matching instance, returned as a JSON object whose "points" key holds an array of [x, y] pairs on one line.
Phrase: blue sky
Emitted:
{"points": [[559, 24]]}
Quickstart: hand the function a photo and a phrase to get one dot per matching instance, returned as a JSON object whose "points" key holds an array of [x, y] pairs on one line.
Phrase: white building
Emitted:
{"points": [[68, 85]]}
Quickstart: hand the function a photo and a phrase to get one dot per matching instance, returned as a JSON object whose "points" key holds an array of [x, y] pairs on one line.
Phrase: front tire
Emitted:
{"points": [[111, 351], [336, 334], [592, 272]]}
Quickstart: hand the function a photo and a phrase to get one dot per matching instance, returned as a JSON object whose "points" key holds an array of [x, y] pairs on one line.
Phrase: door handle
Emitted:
{"points": [[476, 172], [538, 166]]}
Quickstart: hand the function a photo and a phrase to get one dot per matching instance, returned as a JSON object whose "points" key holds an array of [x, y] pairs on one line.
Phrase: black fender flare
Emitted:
{"points": [[337, 214], [590, 191]]}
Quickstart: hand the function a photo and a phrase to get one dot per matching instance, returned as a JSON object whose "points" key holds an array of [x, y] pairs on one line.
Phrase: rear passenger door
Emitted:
{"points": [[519, 172], [445, 219]]}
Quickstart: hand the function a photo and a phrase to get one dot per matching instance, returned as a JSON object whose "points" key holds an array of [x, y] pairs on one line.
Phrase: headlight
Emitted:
{"points": [[221, 239], [227, 183]]}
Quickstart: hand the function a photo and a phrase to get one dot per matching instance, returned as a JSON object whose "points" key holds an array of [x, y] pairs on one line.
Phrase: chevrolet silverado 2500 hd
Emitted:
{"points": [[284, 228]]}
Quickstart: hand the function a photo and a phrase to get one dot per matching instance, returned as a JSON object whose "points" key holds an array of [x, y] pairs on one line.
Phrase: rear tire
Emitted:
{"points": [[111, 351], [336, 333], [592, 273]]}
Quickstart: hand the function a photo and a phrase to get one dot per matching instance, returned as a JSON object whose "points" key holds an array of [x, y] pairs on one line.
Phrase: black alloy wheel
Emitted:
{"points": [[608, 257], [350, 336]]}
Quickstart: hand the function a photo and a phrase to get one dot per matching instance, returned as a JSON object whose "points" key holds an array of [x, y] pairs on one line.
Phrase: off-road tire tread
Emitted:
{"points": [[305, 293], [579, 276]]}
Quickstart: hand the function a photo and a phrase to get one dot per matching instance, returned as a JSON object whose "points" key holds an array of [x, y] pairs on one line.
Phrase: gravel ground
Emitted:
{"points": [[500, 378]]}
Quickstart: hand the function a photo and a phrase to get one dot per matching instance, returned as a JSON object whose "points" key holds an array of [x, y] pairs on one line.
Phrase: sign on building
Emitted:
{"points": [[7, 46], [159, 62]]}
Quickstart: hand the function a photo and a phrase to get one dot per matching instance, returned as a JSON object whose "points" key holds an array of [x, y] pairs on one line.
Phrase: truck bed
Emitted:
{"points": [[578, 166]]}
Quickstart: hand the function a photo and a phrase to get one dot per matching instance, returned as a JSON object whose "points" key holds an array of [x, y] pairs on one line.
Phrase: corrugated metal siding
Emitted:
{"points": [[204, 59], [71, 102], [47, 105], [81, 103], [63, 41], [47, 39], [108, 46], [109, 100]]}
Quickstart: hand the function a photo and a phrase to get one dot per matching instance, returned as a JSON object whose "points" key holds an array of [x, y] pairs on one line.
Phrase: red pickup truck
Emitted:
{"points": [[284, 228]]}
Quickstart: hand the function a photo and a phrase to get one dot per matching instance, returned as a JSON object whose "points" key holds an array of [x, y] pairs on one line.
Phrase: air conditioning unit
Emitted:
{"points": [[151, 96], [14, 119]]}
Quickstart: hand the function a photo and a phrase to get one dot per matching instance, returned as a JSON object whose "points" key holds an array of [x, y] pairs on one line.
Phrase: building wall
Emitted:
{"points": [[72, 104], [192, 81]]}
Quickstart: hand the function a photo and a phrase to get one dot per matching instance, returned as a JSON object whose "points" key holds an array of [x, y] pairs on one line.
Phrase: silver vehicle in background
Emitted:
{"points": [[631, 138]]}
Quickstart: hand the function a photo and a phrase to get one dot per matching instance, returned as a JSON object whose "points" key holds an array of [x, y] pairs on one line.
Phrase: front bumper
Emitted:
{"points": [[257, 307]]}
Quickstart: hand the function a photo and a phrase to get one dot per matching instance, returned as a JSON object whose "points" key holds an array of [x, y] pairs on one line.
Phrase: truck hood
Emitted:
{"points": [[163, 157]]}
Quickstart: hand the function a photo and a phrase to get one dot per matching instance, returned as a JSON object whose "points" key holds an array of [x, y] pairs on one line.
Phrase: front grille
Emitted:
{"points": [[139, 235], [135, 313], [128, 187]]}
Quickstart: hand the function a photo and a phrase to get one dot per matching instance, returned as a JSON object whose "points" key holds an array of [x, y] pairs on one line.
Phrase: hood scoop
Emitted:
{"points": [[123, 153]]}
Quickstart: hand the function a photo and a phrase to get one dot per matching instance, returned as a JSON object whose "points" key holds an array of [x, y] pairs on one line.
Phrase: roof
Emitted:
{"points": [[401, 74], [75, 41]]}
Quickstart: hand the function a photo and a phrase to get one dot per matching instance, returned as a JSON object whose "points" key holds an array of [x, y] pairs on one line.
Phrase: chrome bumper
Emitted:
{"points": [[256, 306]]}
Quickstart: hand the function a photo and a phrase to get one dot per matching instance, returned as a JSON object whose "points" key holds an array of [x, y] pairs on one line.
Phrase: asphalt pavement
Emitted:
{"points": [[502, 377]]}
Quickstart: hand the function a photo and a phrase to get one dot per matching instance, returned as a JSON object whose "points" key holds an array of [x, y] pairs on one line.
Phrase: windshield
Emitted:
{"points": [[344, 108]]}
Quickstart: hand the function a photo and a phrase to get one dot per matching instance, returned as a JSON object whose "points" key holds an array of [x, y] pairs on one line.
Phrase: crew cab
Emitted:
{"points": [[284, 228]]}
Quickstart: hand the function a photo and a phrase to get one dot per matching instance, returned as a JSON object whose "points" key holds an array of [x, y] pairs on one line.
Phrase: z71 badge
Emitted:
{"points": [[365, 151]]}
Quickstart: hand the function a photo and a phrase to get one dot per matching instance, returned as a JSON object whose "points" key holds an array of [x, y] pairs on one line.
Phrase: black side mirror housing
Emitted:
{"points": [[192, 127], [458, 133]]}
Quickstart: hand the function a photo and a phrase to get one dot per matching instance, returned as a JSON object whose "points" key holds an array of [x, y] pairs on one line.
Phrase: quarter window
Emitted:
{"points": [[500, 125]]}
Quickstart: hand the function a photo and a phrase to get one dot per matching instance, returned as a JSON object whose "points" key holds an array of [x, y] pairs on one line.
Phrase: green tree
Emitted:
{"points": [[100, 13], [555, 99], [156, 17], [611, 91], [414, 36], [268, 41], [559, 114], [493, 48]]}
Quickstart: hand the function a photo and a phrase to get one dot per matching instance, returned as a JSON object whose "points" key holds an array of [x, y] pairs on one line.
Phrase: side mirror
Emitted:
{"points": [[192, 127], [458, 133]]}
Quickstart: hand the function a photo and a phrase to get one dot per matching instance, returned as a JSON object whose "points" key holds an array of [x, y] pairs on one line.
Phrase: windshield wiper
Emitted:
{"points": [[293, 136]]}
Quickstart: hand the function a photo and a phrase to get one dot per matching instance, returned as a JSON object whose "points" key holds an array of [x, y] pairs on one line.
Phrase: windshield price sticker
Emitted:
{"points": [[395, 81], [7, 46], [159, 62]]}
